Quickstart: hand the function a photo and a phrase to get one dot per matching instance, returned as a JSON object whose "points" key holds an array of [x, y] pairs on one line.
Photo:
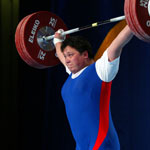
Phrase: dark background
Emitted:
{"points": [[33, 114]]}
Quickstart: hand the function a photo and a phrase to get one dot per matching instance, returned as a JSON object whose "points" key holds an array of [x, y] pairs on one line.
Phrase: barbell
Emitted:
{"points": [[35, 32]]}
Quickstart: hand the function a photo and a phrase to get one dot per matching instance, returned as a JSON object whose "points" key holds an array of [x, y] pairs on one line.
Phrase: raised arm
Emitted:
{"points": [[115, 48], [57, 42]]}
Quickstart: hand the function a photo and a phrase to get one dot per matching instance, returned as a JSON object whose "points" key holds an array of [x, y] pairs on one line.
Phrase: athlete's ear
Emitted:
{"points": [[85, 54]]}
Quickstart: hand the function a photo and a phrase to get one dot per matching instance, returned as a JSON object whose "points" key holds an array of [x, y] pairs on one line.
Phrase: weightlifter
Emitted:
{"points": [[86, 92]]}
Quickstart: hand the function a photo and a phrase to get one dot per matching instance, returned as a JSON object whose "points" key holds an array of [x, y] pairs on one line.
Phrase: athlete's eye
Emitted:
{"points": [[70, 55]]}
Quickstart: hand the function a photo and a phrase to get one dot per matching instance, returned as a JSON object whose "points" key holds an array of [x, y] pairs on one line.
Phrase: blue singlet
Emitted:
{"points": [[87, 103]]}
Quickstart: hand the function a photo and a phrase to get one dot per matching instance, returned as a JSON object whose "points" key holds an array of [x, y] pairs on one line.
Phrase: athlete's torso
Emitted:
{"points": [[88, 111]]}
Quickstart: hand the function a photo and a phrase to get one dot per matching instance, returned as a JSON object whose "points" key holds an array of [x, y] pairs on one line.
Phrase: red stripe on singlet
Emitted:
{"points": [[104, 114]]}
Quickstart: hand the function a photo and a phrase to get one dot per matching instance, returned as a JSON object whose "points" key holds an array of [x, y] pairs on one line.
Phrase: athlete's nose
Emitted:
{"points": [[67, 60]]}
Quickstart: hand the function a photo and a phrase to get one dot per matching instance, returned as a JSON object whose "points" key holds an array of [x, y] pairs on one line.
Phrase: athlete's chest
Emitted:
{"points": [[82, 91]]}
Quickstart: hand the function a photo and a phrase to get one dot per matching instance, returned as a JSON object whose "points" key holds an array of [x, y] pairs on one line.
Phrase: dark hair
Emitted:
{"points": [[79, 43]]}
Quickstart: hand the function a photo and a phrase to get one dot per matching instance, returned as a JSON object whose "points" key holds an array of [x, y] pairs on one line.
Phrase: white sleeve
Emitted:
{"points": [[107, 70]]}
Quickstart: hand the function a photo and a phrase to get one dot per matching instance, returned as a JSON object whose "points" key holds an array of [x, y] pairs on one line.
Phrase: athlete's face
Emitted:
{"points": [[74, 60]]}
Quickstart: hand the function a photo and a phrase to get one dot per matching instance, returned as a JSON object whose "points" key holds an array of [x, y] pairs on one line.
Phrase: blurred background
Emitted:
{"points": [[32, 111]]}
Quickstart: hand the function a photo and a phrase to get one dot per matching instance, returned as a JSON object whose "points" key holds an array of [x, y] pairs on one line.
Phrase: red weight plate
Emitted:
{"points": [[17, 40], [141, 17], [129, 20], [25, 56], [40, 24], [132, 14]]}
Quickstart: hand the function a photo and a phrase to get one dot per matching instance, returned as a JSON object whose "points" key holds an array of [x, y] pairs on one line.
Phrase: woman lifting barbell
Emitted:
{"points": [[86, 92]]}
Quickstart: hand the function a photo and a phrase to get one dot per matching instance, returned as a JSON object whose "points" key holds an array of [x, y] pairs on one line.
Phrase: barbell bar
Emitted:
{"points": [[96, 24]]}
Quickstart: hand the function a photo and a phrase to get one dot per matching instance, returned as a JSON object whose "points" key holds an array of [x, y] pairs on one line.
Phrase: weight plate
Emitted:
{"points": [[36, 26], [141, 17], [17, 41], [27, 58], [129, 19], [20, 50], [133, 21]]}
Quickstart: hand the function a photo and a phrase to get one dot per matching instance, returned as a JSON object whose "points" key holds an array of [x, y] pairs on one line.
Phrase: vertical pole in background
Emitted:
{"points": [[9, 11]]}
